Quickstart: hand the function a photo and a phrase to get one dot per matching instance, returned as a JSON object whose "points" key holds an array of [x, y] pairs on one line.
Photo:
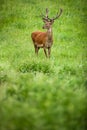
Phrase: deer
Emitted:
{"points": [[45, 39]]}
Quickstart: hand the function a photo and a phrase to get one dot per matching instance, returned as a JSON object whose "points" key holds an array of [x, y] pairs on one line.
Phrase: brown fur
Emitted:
{"points": [[39, 38]]}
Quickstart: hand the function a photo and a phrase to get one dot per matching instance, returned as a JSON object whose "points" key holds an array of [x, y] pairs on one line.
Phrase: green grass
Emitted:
{"points": [[37, 93]]}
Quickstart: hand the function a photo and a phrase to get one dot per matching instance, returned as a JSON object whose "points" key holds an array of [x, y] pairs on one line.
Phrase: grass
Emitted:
{"points": [[38, 93]]}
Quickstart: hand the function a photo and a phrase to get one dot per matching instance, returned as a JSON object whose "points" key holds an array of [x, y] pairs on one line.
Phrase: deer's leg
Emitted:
{"points": [[49, 51], [45, 51], [36, 49]]}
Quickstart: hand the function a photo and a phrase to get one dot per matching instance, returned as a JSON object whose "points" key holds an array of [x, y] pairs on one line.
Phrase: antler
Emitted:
{"points": [[58, 15], [46, 18], [47, 12]]}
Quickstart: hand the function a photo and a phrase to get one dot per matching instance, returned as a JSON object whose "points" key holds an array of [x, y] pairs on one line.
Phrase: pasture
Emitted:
{"points": [[38, 93]]}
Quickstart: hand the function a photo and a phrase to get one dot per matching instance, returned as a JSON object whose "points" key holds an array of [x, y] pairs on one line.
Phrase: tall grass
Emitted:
{"points": [[38, 93]]}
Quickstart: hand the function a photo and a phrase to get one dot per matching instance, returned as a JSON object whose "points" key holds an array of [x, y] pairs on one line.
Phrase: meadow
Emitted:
{"points": [[37, 93]]}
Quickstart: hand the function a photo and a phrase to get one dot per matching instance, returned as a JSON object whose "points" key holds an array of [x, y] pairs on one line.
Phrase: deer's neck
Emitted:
{"points": [[49, 32], [50, 35]]}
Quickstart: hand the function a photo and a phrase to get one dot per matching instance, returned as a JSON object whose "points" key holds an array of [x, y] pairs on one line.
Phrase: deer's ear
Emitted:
{"points": [[52, 21], [44, 20]]}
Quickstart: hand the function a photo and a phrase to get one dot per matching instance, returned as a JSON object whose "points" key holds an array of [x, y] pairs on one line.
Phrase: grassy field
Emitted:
{"points": [[37, 93]]}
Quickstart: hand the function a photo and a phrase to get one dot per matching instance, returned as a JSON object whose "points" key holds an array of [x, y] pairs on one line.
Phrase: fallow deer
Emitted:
{"points": [[45, 39]]}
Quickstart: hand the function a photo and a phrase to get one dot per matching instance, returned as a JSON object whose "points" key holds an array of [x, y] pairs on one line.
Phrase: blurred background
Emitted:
{"points": [[37, 93]]}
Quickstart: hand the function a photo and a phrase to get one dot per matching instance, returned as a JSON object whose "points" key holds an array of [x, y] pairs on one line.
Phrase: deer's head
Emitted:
{"points": [[49, 21]]}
